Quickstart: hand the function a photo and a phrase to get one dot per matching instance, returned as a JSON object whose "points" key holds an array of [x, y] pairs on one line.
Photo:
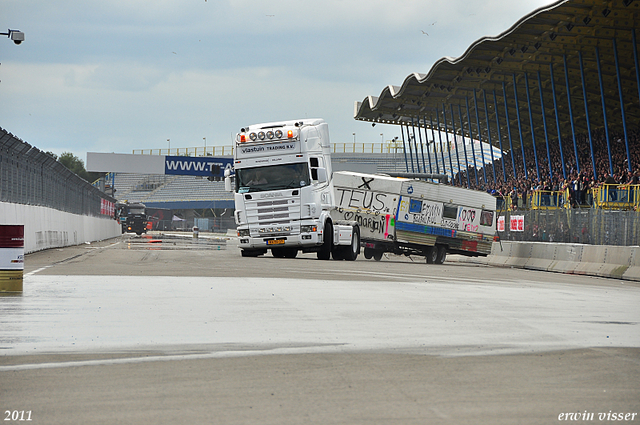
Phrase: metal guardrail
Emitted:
{"points": [[32, 177], [607, 197], [384, 148], [617, 197]]}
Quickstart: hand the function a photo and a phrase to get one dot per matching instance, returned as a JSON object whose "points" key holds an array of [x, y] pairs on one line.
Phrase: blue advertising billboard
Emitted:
{"points": [[197, 166]]}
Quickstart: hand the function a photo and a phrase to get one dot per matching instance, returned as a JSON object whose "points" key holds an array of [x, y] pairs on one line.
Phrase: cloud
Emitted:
{"points": [[117, 75]]}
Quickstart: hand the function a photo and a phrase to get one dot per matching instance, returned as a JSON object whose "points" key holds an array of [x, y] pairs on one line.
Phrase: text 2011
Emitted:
{"points": [[17, 415]]}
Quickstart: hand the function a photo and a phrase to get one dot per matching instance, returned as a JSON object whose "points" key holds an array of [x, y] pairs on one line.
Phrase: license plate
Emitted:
{"points": [[275, 242]]}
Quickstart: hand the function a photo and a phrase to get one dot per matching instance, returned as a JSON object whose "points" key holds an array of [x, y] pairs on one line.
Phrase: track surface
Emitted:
{"points": [[170, 330]]}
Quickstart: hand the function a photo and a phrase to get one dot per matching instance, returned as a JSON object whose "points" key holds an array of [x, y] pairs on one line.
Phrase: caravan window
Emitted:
{"points": [[450, 211], [486, 218]]}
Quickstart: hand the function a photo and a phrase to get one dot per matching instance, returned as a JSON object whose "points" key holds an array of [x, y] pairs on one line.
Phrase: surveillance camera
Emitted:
{"points": [[17, 37]]}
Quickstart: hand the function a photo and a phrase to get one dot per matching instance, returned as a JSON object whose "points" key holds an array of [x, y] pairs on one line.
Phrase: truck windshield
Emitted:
{"points": [[275, 177], [136, 210]]}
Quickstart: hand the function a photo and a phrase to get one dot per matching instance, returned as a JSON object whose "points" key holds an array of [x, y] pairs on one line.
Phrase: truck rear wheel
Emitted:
{"points": [[368, 253], [327, 242], [377, 254], [431, 253], [442, 254]]}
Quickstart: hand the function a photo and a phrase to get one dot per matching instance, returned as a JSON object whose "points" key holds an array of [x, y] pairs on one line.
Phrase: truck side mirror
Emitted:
{"points": [[227, 181], [321, 175]]}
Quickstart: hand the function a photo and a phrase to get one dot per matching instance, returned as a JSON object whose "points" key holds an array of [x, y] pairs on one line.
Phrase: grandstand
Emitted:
{"points": [[546, 116]]}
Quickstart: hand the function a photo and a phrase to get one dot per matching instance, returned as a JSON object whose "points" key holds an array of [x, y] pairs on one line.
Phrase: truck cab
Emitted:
{"points": [[132, 217], [284, 192]]}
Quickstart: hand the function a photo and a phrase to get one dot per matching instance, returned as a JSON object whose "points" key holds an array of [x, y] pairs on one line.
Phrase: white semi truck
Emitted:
{"points": [[284, 192], [288, 200]]}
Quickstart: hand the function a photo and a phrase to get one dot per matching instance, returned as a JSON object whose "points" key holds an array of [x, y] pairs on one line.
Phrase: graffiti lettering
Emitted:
{"points": [[466, 215], [367, 222], [365, 200], [450, 224]]}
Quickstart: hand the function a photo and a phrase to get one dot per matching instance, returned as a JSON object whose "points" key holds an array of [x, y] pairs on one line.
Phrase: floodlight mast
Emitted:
{"points": [[16, 35]]}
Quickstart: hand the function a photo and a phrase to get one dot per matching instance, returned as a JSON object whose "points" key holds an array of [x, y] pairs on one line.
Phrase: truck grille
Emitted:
{"points": [[265, 212]]}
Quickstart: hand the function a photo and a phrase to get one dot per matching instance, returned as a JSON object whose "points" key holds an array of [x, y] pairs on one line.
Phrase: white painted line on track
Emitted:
{"points": [[179, 357]]}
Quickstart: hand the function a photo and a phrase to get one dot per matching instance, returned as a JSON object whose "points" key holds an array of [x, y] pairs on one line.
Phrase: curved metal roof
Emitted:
{"points": [[536, 46]]}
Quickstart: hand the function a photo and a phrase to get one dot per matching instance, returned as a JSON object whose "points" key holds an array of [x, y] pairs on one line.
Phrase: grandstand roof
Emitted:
{"points": [[543, 39]]}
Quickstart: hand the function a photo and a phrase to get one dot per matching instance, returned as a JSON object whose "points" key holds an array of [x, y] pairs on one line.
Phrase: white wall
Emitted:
{"points": [[48, 228]]}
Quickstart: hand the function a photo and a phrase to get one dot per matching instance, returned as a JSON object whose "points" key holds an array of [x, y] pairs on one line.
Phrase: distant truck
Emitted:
{"points": [[288, 200], [132, 217]]}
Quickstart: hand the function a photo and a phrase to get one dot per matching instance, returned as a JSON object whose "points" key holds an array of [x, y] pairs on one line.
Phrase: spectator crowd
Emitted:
{"points": [[579, 181]]}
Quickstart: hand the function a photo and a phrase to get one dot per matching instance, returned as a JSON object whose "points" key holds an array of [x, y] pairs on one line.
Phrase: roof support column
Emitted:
{"points": [[435, 151], [586, 111], [604, 111], [444, 168], [426, 138], [473, 151], [544, 124], [415, 144], [424, 166], [512, 153], [446, 131], [635, 59], [464, 146], [486, 115], [484, 169], [573, 129], [495, 105], [404, 149], [624, 118], [533, 135], [453, 125], [524, 159], [555, 107]]}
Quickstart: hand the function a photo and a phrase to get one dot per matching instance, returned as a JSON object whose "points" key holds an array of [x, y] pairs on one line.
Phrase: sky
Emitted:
{"points": [[119, 75]]}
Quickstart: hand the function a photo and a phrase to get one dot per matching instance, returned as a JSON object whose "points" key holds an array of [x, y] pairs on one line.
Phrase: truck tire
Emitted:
{"points": [[377, 254], [368, 253], [350, 252], [327, 242], [431, 253], [442, 254]]}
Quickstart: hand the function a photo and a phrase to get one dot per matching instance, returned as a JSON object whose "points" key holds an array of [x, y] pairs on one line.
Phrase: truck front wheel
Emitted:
{"points": [[348, 252], [327, 242]]}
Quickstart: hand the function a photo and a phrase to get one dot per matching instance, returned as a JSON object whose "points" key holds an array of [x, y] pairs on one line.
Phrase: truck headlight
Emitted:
{"points": [[308, 229], [243, 232]]}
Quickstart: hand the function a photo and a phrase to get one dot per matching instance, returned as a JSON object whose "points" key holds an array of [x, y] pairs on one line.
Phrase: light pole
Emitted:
{"points": [[354, 138], [205, 146], [16, 35], [169, 150]]}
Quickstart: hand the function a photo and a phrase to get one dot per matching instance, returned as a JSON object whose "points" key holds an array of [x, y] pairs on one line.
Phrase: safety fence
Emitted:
{"points": [[32, 177], [592, 226], [387, 147]]}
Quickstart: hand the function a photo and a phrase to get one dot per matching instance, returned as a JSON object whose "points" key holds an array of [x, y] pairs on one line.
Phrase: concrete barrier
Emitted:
{"points": [[619, 262], [48, 228]]}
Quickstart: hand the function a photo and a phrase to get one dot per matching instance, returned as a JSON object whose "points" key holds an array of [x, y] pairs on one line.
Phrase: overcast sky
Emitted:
{"points": [[118, 75]]}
